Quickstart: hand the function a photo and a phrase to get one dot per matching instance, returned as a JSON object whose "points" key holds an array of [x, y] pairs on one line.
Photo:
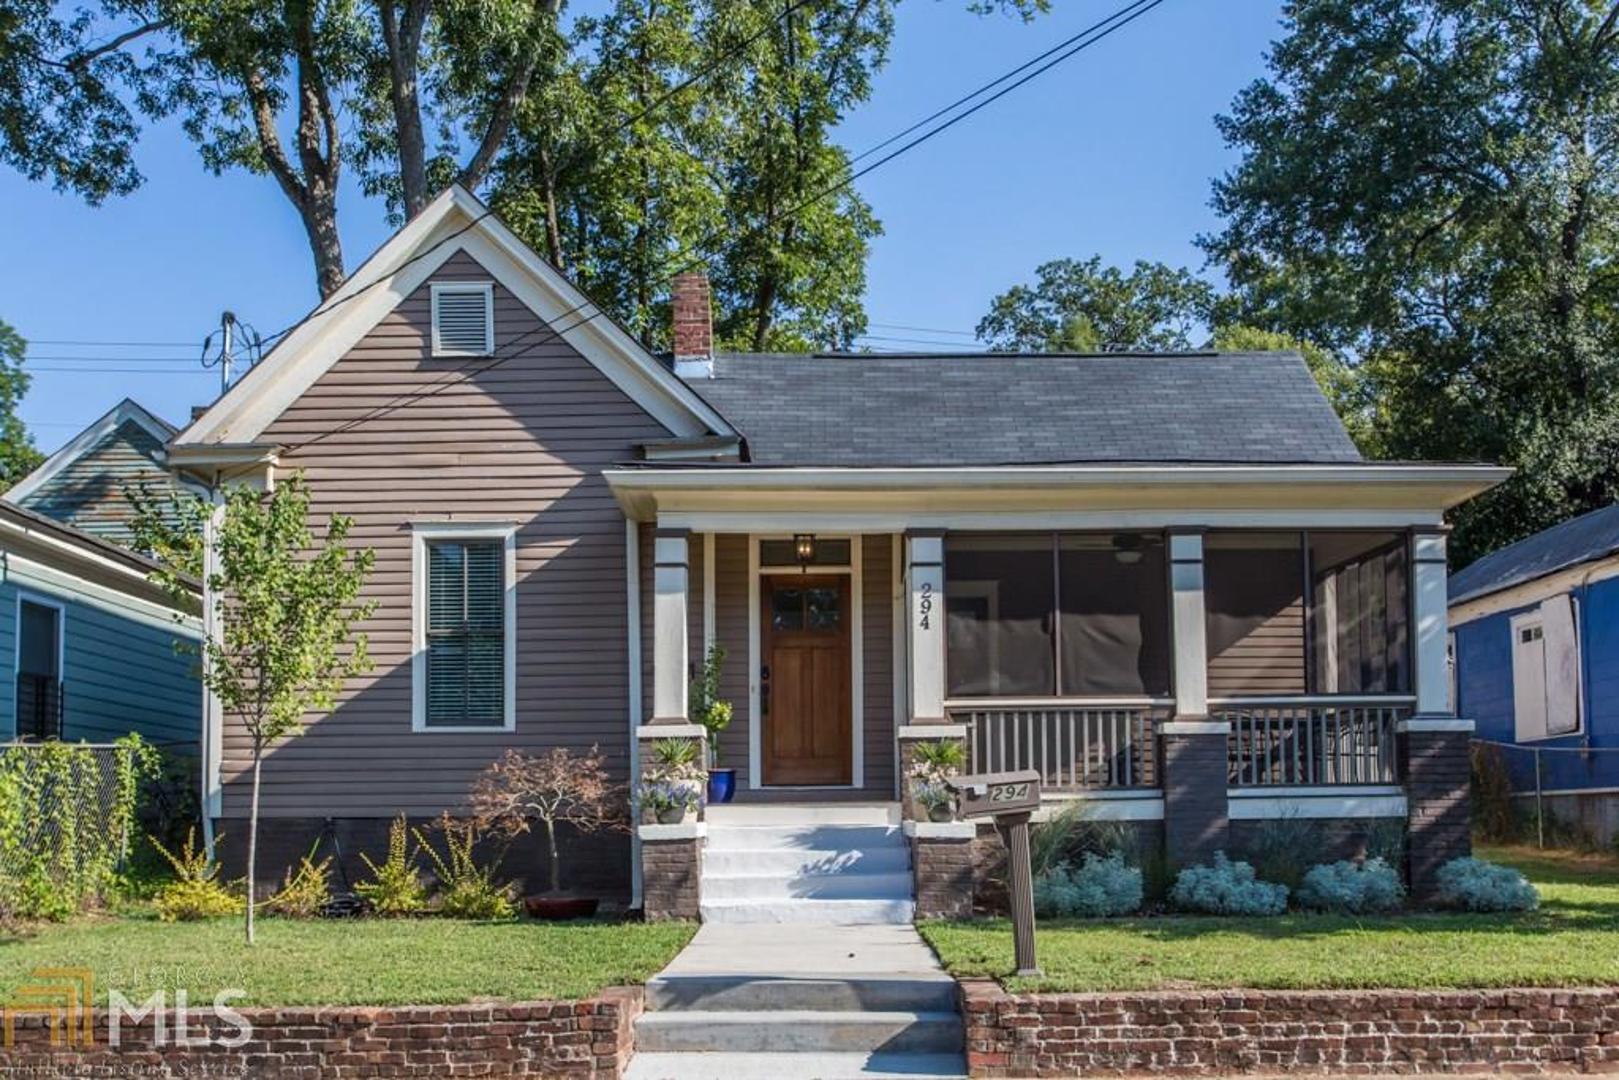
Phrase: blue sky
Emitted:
{"points": [[1109, 153]]}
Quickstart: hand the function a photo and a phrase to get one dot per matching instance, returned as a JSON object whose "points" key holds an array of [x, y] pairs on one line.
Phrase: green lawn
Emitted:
{"points": [[1572, 940], [348, 962]]}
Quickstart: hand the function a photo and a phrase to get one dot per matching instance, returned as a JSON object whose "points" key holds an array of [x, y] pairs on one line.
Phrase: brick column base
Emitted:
{"points": [[1436, 771], [671, 878], [1194, 760], [942, 870]]}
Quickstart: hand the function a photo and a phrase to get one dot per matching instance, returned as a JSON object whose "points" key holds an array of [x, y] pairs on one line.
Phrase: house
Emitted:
{"points": [[90, 648], [1535, 640], [1168, 582], [85, 483]]}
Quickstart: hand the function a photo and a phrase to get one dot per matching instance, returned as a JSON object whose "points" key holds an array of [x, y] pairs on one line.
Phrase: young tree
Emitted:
{"points": [[559, 787], [1079, 305], [1432, 188], [288, 605], [18, 455]]}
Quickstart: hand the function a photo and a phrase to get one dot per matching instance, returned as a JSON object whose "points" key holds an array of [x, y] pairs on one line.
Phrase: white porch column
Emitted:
{"points": [[670, 662], [1430, 623], [925, 613], [1188, 627]]}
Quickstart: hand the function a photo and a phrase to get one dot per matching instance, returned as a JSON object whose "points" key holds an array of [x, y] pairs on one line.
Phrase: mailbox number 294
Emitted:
{"points": [[1004, 793]]}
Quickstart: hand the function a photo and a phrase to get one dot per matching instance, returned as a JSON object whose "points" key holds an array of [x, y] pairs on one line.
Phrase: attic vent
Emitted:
{"points": [[463, 319]]}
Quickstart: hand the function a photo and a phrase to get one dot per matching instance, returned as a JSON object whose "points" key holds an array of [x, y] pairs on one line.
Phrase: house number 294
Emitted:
{"points": [[924, 606]]}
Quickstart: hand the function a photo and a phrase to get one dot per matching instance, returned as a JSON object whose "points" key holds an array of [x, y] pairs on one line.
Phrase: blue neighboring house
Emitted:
{"points": [[88, 644], [1535, 654]]}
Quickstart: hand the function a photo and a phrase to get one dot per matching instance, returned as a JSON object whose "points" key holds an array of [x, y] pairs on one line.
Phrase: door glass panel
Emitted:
{"points": [[37, 652], [821, 608], [787, 609]]}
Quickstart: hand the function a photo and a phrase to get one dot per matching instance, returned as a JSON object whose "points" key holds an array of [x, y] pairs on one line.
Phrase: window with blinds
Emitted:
{"points": [[466, 633]]}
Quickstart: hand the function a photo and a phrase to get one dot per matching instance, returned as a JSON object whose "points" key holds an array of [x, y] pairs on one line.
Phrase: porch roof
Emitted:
{"points": [[864, 410]]}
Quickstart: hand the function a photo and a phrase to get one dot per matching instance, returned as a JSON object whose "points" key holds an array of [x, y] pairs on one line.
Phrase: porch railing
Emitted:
{"points": [[1311, 741], [1074, 746]]}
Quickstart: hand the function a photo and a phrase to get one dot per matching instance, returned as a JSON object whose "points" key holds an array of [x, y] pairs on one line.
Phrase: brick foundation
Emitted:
{"points": [[591, 1038], [1435, 772], [671, 878], [943, 872], [1272, 1032]]}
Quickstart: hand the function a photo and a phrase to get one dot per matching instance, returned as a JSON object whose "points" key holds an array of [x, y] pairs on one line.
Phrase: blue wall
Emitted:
{"points": [[121, 669], [1484, 692]]}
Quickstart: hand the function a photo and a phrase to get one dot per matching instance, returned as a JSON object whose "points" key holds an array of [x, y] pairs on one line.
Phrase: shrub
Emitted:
{"points": [[469, 891], [1283, 849], [1475, 885], [1227, 888], [1385, 839], [1070, 834], [1345, 887], [1097, 887], [306, 891], [195, 893], [559, 787], [396, 885], [677, 759]]}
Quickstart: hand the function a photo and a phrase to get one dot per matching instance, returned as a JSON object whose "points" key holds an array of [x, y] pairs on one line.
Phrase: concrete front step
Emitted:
{"points": [[823, 912], [882, 1065], [727, 814], [848, 886], [798, 1032], [921, 992], [792, 862], [802, 837]]}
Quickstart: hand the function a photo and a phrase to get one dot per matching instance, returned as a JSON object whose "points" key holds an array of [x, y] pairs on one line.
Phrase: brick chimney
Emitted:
{"points": [[694, 326]]}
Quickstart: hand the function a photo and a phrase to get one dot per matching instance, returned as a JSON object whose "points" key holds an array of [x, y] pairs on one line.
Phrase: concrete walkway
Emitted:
{"points": [[800, 1001]]}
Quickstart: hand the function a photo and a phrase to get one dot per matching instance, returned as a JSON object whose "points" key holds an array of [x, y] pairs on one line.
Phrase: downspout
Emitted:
{"points": [[212, 722], [632, 608]]}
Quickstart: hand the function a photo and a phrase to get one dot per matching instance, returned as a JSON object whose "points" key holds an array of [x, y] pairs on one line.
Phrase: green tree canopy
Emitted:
{"points": [[18, 456], [1429, 187], [1080, 305]]}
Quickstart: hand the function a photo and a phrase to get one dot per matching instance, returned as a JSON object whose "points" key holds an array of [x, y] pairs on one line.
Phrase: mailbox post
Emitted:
{"points": [[1011, 799]]}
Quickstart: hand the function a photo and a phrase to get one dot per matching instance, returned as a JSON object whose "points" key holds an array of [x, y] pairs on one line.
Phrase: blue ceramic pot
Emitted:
{"points": [[721, 785]]}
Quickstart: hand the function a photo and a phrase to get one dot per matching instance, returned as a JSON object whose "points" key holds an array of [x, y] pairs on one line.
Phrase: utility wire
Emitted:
{"points": [[923, 329], [1070, 48]]}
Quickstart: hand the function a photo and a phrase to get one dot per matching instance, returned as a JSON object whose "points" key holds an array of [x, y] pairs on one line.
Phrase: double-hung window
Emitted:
{"points": [[464, 628]]}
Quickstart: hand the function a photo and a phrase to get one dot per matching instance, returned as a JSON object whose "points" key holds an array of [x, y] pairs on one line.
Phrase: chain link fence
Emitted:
{"points": [[1543, 777]]}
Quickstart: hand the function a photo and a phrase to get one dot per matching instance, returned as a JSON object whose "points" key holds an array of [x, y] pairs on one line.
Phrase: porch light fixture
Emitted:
{"points": [[804, 548], [1127, 549]]}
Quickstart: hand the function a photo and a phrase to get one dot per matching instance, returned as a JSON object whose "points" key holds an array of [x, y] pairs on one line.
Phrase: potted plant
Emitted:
{"points": [[667, 802], [933, 763], [714, 713], [559, 787]]}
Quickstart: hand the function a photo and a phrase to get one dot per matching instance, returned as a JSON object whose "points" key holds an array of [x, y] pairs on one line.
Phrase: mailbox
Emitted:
{"points": [[990, 794]]}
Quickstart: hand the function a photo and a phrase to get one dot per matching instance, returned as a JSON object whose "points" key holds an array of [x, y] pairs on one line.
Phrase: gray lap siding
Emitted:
{"points": [[524, 443]]}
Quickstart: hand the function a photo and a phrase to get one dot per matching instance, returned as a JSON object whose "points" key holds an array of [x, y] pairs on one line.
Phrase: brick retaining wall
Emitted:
{"points": [[1273, 1031], [590, 1038]]}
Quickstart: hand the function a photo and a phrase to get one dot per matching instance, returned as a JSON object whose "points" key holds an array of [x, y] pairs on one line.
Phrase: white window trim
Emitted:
{"points": [[421, 534], [43, 600], [484, 288]]}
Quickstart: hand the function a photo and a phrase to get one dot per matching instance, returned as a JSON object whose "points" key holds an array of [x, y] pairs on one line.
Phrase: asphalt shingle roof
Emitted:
{"points": [[1577, 540], [1000, 409]]}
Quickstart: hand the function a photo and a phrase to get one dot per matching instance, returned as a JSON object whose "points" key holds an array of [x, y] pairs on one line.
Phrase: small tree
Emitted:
{"points": [[287, 605], [558, 787], [707, 707]]}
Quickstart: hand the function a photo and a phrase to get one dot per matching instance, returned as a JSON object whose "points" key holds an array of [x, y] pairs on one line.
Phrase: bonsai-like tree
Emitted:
{"points": [[283, 641], [558, 787]]}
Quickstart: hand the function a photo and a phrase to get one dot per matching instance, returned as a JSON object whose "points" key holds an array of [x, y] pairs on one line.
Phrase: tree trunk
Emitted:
{"points": [[553, 224], [404, 41], [253, 841], [556, 857], [320, 225]]}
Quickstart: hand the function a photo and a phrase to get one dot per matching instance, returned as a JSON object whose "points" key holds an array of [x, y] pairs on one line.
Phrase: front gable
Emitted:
{"points": [[456, 226]]}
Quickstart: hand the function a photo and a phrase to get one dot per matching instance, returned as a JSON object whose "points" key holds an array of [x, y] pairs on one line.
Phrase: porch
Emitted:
{"points": [[1183, 667]]}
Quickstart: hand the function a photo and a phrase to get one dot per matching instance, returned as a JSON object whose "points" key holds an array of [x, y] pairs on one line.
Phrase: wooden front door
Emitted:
{"points": [[804, 687]]}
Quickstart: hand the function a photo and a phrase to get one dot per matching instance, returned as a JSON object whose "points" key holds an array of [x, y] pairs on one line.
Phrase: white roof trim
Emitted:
{"points": [[1408, 494], [459, 222], [114, 418]]}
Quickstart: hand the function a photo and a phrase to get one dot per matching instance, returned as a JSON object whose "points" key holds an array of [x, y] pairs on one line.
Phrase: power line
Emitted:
{"points": [[1098, 31], [113, 344], [923, 329], [54, 358]]}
